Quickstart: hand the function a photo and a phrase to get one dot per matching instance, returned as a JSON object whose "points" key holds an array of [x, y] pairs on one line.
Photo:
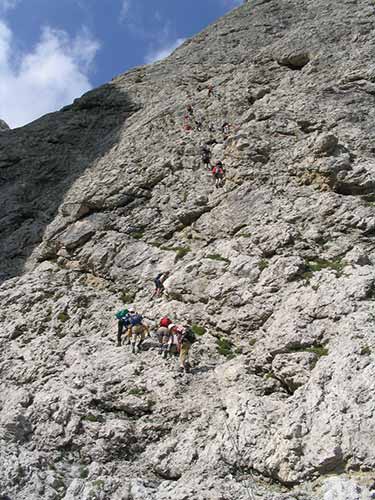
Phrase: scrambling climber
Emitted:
{"points": [[163, 334], [190, 109], [225, 128], [185, 338], [122, 322], [218, 173], [138, 331], [210, 90], [206, 155], [159, 283]]}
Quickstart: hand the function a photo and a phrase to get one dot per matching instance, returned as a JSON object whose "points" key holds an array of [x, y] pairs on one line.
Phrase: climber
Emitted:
{"points": [[210, 91], [159, 283], [198, 124], [187, 125], [206, 155], [138, 331], [225, 128], [185, 338], [163, 335], [122, 322], [190, 109], [218, 173]]}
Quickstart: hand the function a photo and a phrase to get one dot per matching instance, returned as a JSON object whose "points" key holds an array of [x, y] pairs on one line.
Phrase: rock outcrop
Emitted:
{"points": [[275, 270], [3, 126]]}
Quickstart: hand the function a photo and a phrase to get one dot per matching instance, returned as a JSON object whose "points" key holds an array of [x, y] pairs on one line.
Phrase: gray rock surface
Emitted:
{"points": [[277, 266], [3, 126]]}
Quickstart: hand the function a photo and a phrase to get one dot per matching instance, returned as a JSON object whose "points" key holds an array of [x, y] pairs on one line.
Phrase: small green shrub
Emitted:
{"points": [[91, 418], [127, 297], [137, 235], [98, 484], [137, 391], [318, 349], [181, 252], [263, 264], [218, 257], [63, 317], [198, 330], [365, 351], [225, 347], [252, 342], [83, 472], [313, 266], [369, 200]]}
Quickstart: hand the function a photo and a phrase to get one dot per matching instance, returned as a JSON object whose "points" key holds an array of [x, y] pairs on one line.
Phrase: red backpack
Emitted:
{"points": [[165, 322]]}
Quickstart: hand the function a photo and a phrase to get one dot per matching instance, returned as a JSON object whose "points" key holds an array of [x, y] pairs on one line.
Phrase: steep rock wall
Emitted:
{"points": [[277, 266]]}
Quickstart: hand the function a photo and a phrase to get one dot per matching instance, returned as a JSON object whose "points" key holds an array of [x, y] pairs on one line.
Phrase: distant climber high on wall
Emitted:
{"points": [[218, 173]]}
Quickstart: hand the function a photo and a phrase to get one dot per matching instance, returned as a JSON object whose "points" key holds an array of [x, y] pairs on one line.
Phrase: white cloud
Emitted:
{"points": [[48, 77], [163, 52]]}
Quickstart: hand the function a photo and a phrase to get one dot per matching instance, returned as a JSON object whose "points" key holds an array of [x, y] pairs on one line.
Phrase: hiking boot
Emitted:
{"points": [[133, 348], [119, 343]]}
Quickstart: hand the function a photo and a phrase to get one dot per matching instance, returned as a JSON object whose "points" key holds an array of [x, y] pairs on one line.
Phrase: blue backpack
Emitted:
{"points": [[136, 319]]}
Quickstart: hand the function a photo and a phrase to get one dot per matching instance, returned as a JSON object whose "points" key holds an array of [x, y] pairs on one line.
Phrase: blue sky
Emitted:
{"points": [[52, 51]]}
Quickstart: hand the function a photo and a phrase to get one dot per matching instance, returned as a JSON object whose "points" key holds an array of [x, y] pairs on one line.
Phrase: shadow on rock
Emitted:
{"points": [[40, 162]]}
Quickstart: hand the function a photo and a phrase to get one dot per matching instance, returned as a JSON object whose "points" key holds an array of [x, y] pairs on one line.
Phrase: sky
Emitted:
{"points": [[52, 51]]}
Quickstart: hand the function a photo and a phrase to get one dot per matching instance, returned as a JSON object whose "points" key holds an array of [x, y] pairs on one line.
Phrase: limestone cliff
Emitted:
{"points": [[276, 268]]}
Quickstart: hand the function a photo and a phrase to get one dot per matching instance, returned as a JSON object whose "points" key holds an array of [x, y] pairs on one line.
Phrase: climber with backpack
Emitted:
{"points": [[159, 283], [122, 322], [218, 173], [206, 155], [163, 335], [138, 331], [185, 339]]}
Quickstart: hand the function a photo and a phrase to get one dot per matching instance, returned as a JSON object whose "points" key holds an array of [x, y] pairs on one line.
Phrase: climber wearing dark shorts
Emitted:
{"points": [[159, 286]]}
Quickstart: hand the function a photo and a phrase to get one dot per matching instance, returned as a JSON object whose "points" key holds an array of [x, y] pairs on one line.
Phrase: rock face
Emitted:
{"points": [[3, 126], [276, 266]]}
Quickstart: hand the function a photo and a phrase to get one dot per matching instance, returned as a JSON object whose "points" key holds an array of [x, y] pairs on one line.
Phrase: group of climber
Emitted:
{"points": [[217, 169], [173, 338]]}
